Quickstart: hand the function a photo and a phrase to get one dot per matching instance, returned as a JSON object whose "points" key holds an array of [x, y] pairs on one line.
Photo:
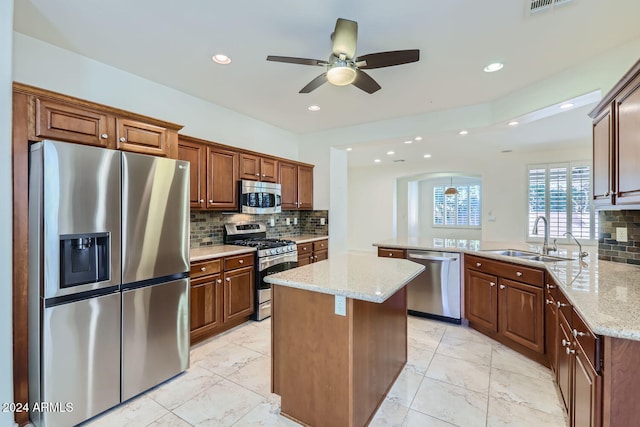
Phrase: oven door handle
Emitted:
{"points": [[277, 259]]}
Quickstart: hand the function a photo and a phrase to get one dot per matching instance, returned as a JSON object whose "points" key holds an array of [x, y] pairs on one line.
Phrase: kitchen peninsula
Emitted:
{"points": [[339, 337]]}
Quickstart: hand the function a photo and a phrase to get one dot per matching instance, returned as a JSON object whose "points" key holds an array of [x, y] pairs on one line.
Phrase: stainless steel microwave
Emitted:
{"points": [[260, 197]]}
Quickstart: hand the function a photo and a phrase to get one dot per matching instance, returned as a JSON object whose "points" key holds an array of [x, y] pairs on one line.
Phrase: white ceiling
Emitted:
{"points": [[171, 42]]}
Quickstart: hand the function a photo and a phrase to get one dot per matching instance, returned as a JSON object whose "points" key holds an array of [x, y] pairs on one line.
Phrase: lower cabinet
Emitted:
{"points": [[222, 294], [505, 301], [313, 252]]}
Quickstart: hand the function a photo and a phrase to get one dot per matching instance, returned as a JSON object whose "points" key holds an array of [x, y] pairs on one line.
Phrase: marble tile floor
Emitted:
{"points": [[455, 376]]}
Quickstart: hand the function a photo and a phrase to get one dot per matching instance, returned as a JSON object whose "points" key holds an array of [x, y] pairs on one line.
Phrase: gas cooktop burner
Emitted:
{"points": [[264, 243]]}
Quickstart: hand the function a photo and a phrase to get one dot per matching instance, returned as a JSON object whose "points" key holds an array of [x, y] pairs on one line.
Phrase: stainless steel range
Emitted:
{"points": [[273, 256]]}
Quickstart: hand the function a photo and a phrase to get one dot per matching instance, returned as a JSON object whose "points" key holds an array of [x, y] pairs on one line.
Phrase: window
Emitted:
{"points": [[457, 210], [562, 193]]}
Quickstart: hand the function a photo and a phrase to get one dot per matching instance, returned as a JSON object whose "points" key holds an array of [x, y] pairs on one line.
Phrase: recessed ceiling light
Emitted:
{"points": [[513, 123], [408, 142], [566, 105], [463, 132], [493, 67], [390, 153], [313, 108], [426, 156], [418, 138], [377, 160], [221, 59], [349, 149]]}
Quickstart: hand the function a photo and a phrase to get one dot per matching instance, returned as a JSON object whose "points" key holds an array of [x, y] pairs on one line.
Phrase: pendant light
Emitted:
{"points": [[451, 191]]}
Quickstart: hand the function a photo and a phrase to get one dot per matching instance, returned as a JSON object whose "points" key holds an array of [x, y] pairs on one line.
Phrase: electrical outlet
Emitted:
{"points": [[295, 221], [288, 221], [323, 221], [621, 234], [341, 305], [272, 221]]}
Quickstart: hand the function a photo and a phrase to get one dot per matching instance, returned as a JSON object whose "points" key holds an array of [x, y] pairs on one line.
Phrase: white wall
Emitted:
{"points": [[372, 192], [6, 343], [43, 65], [338, 201]]}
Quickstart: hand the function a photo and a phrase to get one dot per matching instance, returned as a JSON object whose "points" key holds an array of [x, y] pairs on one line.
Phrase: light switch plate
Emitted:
{"points": [[288, 221], [621, 234], [295, 221], [341, 305], [272, 222], [323, 221]]}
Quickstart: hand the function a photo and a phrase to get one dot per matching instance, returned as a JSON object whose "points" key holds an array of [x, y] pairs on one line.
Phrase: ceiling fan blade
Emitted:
{"points": [[291, 60], [388, 59], [365, 82], [345, 38], [315, 83]]}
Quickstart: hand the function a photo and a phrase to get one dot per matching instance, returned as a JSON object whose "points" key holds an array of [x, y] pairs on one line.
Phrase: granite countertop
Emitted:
{"points": [[217, 251], [606, 294], [359, 276], [306, 238]]}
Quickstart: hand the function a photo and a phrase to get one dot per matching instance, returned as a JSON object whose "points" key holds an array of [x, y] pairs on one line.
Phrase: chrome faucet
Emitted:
{"points": [[545, 245], [581, 253]]}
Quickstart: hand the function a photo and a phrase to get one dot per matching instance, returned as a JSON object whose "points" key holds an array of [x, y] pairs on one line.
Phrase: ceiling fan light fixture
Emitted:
{"points": [[341, 73]]}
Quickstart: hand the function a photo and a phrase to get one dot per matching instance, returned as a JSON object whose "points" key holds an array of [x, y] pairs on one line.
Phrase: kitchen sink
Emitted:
{"points": [[532, 256]]}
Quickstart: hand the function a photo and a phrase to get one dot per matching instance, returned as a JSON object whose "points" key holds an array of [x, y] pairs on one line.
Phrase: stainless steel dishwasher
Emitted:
{"points": [[435, 292]]}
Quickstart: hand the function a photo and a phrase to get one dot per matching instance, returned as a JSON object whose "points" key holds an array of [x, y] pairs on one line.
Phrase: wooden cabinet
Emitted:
{"points": [[392, 253], [258, 168], [214, 174], [505, 301], [579, 363], [297, 186], [551, 323], [70, 120], [222, 294], [313, 252], [616, 143]]}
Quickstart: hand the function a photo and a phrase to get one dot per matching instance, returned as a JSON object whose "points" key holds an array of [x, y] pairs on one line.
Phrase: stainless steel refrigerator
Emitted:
{"points": [[108, 278]]}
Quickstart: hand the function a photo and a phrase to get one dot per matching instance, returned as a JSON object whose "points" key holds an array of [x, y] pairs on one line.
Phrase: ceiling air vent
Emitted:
{"points": [[537, 6]]}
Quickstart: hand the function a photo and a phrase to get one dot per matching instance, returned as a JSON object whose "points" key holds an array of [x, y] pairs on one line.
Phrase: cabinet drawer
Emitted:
{"points": [[321, 245], [304, 248], [520, 273], [204, 268], [233, 262], [564, 306], [589, 342], [392, 253]]}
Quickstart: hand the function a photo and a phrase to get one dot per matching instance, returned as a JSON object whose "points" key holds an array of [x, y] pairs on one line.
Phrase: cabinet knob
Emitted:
{"points": [[104, 136], [492, 283], [550, 286], [219, 281], [478, 264], [264, 174], [518, 273], [569, 351], [257, 174], [304, 248], [578, 334], [315, 257], [548, 301], [228, 279], [201, 201], [240, 261], [123, 139], [560, 305], [203, 268], [502, 286], [565, 343], [211, 201], [390, 254]]}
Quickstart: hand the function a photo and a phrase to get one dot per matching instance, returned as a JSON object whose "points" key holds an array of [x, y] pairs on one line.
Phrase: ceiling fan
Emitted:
{"points": [[343, 67]]}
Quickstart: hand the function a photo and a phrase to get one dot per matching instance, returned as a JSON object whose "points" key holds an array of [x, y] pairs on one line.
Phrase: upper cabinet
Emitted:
{"points": [[616, 143], [257, 168], [214, 174], [297, 186], [64, 118]]}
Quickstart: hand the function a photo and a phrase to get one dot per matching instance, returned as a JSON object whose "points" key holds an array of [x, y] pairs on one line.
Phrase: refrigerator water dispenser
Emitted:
{"points": [[84, 258]]}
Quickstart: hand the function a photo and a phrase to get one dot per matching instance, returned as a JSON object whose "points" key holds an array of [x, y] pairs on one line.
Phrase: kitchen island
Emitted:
{"points": [[339, 337]]}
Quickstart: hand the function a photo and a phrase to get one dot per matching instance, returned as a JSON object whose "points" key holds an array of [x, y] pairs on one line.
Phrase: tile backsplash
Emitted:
{"points": [[207, 227], [609, 248]]}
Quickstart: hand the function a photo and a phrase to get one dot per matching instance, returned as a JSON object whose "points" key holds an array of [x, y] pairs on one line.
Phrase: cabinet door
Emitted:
{"points": [[628, 144], [521, 314], [585, 408], [64, 122], [288, 176], [603, 159], [304, 259], [550, 333], [320, 255], [268, 170], [143, 138], [206, 303], [564, 366], [481, 299], [249, 167], [305, 188], [196, 155], [238, 293], [222, 179]]}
